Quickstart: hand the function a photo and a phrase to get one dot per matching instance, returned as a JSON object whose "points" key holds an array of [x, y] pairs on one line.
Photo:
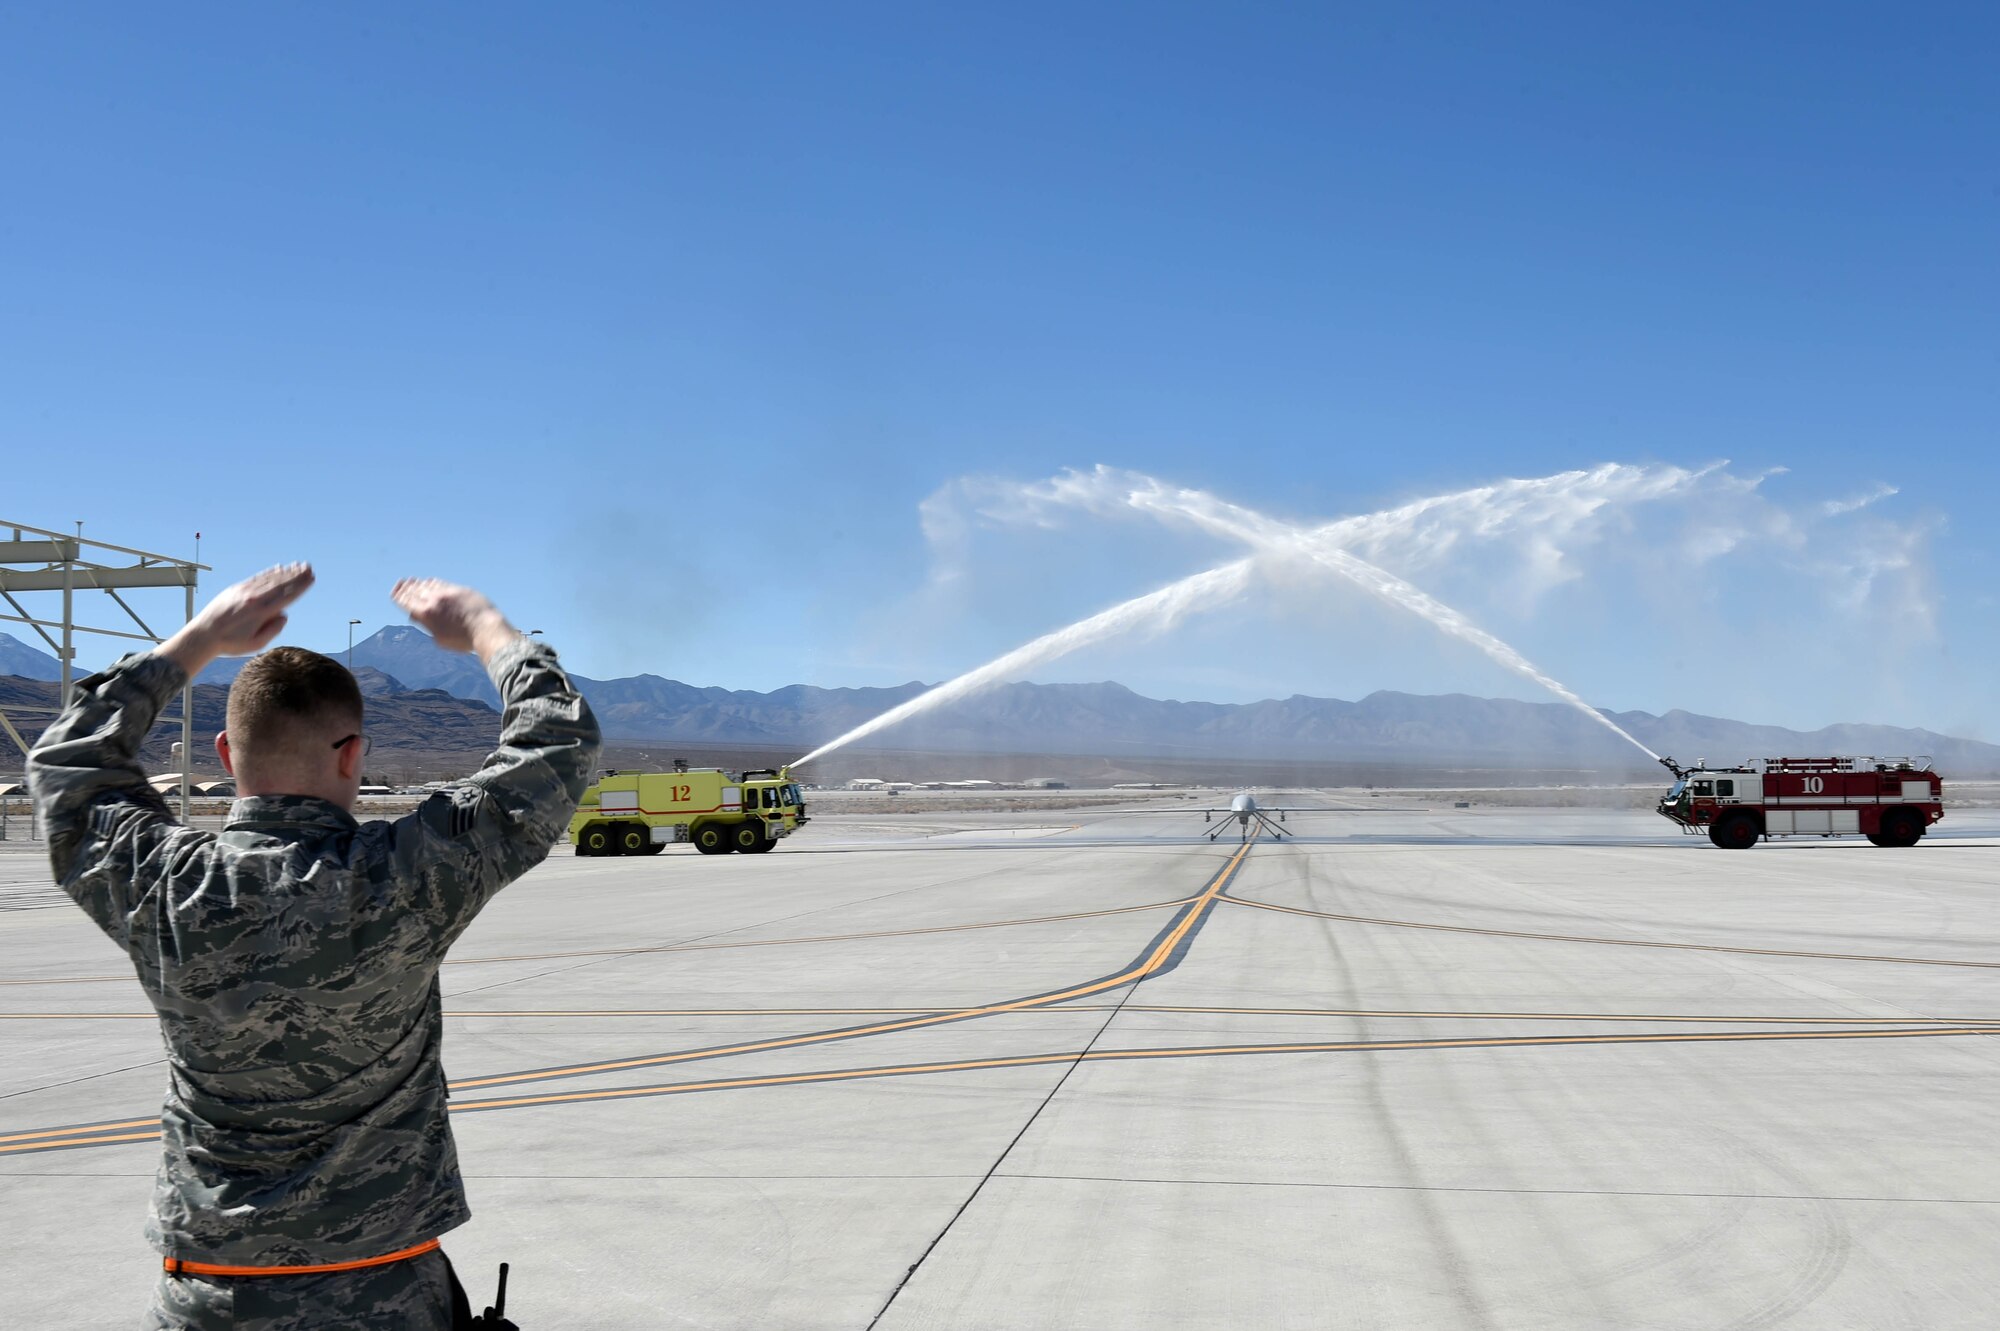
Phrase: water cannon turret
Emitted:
{"points": [[1680, 773]]}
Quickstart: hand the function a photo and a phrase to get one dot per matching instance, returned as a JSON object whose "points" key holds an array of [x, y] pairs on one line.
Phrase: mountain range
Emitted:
{"points": [[446, 701], [407, 725], [18, 658]]}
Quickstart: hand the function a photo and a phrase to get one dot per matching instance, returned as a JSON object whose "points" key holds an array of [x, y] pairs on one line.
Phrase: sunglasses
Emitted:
{"points": [[366, 743]]}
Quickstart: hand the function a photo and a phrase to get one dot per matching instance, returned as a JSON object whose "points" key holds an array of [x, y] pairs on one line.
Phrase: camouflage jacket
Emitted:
{"points": [[293, 963]]}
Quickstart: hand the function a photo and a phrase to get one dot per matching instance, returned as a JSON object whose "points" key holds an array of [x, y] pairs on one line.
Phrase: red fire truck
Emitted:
{"points": [[1891, 801]]}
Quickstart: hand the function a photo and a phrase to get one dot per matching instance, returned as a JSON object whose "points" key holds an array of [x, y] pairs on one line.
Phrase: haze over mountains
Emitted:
{"points": [[399, 664]]}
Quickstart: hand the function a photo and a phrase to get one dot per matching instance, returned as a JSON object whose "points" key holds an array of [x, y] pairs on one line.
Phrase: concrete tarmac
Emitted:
{"points": [[1406, 1068]]}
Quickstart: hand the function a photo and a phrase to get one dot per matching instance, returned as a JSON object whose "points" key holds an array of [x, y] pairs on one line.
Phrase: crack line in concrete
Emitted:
{"points": [[1521, 1192], [1202, 899]]}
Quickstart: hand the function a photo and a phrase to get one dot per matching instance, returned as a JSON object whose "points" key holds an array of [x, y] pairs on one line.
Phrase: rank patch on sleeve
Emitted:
{"points": [[104, 817]]}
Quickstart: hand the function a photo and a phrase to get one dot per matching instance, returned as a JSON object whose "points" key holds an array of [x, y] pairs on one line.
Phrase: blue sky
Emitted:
{"points": [[662, 323]]}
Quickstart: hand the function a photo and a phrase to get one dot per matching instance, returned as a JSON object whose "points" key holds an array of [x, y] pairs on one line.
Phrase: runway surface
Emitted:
{"points": [[1407, 1068]]}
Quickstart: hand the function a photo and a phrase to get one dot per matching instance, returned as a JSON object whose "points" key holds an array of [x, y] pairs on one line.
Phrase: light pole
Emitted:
{"points": [[350, 644]]}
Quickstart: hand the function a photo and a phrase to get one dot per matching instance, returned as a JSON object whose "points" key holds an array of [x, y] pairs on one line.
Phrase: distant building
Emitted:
{"points": [[864, 783], [169, 783], [1045, 783]]}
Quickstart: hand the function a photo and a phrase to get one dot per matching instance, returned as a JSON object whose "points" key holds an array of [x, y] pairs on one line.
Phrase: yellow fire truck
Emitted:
{"points": [[642, 813]]}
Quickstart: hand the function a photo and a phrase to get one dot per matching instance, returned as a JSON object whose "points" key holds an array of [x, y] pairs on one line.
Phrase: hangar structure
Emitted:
{"points": [[38, 565]]}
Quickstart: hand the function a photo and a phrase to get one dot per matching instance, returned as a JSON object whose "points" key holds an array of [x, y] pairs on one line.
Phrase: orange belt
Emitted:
{"points": [[176, 1267]]}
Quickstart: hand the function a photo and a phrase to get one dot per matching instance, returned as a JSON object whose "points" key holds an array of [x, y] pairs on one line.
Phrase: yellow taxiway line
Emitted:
{"points": [[86, 1134], [1416, 1014], [1187, 1051], [107, 1134], [134, 1130], [1197, 906]]}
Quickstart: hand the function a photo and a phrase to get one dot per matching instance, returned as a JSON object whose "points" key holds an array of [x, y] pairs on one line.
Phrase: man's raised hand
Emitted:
{"points": [[458, 619], [241, 619]]}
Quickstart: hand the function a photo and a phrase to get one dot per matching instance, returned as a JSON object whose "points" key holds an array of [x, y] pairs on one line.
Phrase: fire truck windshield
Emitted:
{"points": [[1679, 786]]}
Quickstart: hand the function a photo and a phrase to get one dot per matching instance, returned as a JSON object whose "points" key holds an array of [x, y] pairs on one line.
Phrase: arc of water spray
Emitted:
{"points": [[1283, 541], [1155, 610], [1275, 541]]}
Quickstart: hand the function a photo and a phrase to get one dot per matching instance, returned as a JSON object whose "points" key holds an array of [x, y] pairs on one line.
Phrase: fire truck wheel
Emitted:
{"points": [[1902, 827], [747, 837], [764, 843], [1738, 831], [632, 839], [593, 840], [711, 839]]}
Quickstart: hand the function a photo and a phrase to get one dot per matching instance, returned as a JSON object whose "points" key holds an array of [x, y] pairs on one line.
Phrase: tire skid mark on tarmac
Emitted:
{"points": [[1160, 955], [711, 947], [818, 938], [1609, 942], [108, 1134]]}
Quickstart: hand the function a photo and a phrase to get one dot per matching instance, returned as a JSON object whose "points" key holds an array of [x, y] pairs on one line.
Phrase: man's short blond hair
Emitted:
{"points": [[287, 696]]}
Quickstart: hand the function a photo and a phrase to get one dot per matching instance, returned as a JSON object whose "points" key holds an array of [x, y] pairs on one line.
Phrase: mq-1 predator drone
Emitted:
{"points": [[1244, 808]]}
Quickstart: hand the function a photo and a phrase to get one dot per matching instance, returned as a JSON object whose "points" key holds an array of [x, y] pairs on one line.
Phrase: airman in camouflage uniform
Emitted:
{"points": [[293, 963]]}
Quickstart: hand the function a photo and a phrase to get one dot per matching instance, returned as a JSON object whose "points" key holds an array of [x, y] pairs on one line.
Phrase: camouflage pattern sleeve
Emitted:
{"points": [[466, 842], [111, 837]]}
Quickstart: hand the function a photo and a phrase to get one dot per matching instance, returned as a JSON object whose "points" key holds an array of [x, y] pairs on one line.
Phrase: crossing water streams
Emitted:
{"points": [[1274, 543]]}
